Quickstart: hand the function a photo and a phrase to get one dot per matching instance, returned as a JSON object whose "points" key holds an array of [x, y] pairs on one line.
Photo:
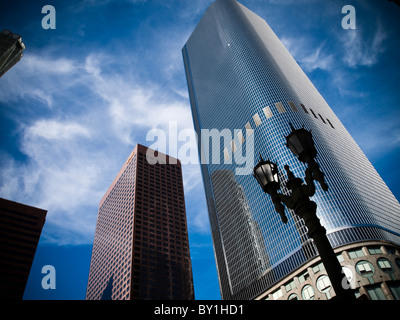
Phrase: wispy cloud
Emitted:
{"points": [[133, 107], [362, 48], [54, 130], [88, 109], [200, 221], [307, 56], [35, 64], [40, 77], [383, 135], [73, 154]]}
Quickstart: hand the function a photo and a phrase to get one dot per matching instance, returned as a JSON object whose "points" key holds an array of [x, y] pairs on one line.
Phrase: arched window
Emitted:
{"points": [[308, 292]]}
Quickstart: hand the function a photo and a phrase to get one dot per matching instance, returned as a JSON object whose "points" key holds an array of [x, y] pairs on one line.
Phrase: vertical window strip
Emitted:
{"points": [[304, 108], [267, 112], [226, 154], [312, 111], [257, 119], [233, 145], [240, 137], [292, 106], [248, 127], [280, 107]]}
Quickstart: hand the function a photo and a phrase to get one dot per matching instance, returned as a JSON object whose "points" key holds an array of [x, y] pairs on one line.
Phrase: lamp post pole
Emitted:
{"points": [[300, 202], [266, 173]]}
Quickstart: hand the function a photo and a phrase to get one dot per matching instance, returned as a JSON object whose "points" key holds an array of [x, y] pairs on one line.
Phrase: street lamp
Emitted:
{"points": [[300, 142], [266, 174]]}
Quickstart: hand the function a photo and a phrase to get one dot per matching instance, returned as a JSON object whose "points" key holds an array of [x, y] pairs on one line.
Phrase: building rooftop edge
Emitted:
{"points": [[139, 148], [24, 207]]}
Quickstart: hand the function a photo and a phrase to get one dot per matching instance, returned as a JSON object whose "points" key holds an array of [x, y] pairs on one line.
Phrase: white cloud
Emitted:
{"points": [[75, 150], [307, 56], [61, 178], [63, 174], [47, 65], [133, 107], [40, 77], [51, 129], [200, 221], [360, 49], [42, 96], [379, 140], [316, 60]]}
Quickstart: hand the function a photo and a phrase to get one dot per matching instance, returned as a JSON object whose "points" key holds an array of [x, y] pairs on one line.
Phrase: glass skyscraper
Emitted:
{"points": [[245, 87]]}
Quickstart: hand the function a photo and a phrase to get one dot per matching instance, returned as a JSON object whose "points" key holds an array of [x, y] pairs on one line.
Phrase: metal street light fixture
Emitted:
{"points": [[266, 173], [301, 143]]}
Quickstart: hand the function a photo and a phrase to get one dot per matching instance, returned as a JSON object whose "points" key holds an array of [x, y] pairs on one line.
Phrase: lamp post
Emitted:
{"points": [[301, 144]]}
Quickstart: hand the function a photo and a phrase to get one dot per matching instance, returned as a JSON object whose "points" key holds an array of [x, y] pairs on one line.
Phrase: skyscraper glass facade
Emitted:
{"points": [[242, 81]]}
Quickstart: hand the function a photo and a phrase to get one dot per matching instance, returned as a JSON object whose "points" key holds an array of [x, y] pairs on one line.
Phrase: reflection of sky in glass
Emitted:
{"points": [[229, 87]]}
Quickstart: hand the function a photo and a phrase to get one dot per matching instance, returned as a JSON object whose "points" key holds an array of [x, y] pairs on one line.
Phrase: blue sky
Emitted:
{"points": [[84, 94]]}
